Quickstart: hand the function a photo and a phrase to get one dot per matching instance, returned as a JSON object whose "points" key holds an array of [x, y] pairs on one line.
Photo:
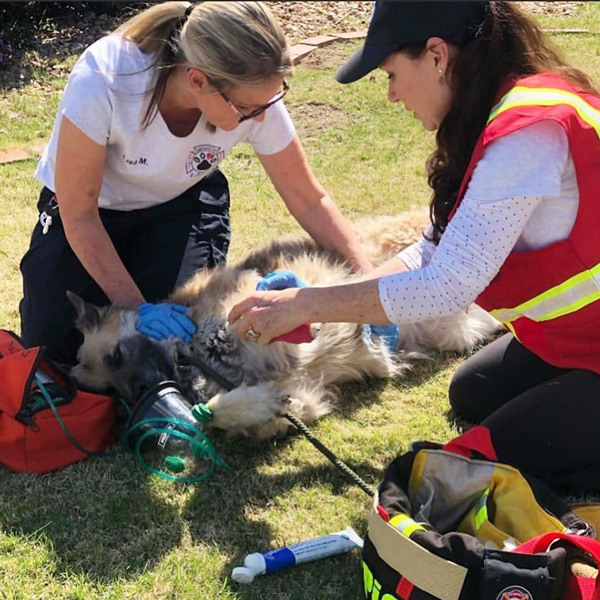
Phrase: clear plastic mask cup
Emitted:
{"points": [[167, 438]]}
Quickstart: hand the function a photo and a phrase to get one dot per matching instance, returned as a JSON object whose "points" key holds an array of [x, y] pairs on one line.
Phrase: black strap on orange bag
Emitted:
{"points": [[45, 422]]}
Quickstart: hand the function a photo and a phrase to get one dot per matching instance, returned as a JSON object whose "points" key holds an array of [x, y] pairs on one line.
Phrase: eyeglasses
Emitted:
{"points": [[257, 111]]}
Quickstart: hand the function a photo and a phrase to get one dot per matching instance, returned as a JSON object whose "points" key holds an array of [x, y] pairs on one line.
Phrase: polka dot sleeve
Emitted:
{"points": [[516, 174], [419, 254], [469, 255]]}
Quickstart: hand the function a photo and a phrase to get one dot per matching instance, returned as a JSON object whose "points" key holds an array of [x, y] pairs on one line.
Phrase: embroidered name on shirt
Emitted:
{"points": [[136, 161]]}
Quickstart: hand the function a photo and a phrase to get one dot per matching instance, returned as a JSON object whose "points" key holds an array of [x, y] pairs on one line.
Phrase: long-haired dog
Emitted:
{"points": [[270, 380]]}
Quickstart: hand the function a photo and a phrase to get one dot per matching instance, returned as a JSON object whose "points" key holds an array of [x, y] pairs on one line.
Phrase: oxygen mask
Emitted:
{"points": [[165, 433]]}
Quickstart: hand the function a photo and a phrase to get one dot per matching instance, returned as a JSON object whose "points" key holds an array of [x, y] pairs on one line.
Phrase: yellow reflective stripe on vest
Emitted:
{"points": [[583, 288], [405, 525], [568, 297], [481, 516], [524, 96]]}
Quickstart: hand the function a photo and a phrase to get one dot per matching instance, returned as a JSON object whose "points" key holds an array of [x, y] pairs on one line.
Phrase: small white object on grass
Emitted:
{"points": [[242, 575], [315, 549]]}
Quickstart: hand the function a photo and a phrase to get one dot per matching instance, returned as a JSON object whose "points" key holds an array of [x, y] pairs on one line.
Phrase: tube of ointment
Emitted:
{"points": [[322, 547]]}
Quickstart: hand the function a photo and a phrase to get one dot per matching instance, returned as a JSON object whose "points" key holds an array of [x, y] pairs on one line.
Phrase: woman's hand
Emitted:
{"points": [[267, 315], [280, 280], [162, 321]]}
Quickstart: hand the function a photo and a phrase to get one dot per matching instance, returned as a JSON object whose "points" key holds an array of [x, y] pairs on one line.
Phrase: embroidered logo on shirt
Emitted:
{"points": [[202, 159]]}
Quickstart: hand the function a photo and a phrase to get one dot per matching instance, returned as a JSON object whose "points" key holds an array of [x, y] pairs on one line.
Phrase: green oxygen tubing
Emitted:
{"points": [[151, 421]]}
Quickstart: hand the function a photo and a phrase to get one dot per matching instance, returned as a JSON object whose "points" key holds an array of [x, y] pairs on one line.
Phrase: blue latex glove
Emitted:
{"points": [[162, 321], [280, 280], [388, 334]]}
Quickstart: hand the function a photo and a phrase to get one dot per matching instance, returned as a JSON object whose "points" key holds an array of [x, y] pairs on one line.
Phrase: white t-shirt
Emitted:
{"points": [[522, 196], [106, 98]]}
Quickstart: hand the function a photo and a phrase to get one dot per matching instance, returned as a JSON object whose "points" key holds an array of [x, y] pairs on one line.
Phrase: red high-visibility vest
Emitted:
{"points": [[550, 298]]}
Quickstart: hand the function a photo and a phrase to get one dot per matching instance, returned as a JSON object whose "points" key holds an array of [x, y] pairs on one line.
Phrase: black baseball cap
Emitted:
{"points": [[395, 23]]}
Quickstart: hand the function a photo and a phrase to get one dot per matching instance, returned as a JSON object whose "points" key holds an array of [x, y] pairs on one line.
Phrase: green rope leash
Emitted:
{"points": [[211, 373]]}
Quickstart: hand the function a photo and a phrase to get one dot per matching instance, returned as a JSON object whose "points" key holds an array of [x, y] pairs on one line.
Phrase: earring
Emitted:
{"points": [[441, 77]]}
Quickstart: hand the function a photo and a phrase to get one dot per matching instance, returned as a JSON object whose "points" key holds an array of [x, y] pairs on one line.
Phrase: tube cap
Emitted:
{"points": [[175, 464], [202, 413], [242, 575]]}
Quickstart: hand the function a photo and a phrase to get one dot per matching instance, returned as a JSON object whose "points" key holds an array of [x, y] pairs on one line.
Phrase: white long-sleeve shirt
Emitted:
{"points": [[522, 195]]}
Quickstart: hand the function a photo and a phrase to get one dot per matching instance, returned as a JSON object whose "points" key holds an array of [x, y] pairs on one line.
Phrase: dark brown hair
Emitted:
{"points": [[507, 43]]}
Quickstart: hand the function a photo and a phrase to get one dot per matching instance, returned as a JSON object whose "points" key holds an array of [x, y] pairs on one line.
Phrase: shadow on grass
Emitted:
{"points": [[110, 520], [461, 424], [100, 518], [355, 396], [36, 37], [217, 513]]}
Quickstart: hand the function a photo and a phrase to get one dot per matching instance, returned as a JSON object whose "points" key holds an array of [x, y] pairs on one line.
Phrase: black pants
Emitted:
{"points": [[161, 247], [543, 420]]}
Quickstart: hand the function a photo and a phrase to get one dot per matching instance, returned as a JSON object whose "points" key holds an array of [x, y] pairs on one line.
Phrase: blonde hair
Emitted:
{"points": [[233, 43]]}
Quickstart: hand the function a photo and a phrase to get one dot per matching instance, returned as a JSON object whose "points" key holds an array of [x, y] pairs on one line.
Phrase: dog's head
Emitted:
{"points": [[114, 356]]}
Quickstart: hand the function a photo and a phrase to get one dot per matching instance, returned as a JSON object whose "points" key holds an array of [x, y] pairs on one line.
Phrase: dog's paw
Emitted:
{"points": [[281, 405], [246, 407], [268, 407]]}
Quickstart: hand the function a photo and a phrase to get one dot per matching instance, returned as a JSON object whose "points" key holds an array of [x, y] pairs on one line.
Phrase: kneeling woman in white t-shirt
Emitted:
{"points": [[147, 116]]}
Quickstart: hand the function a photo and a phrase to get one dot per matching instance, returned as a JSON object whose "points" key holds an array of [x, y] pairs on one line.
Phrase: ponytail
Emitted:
{"points": [[233, 43]]}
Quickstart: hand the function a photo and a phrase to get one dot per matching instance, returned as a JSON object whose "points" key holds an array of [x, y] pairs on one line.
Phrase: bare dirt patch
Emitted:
{"points": [[311, 118], [305, 19], [27, 47], [61, 36], [551, 8], [327, 57]]}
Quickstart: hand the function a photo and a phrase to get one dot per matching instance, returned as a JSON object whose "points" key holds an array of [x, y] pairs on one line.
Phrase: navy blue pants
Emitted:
{"points": [[161, 247], [543, 420]]}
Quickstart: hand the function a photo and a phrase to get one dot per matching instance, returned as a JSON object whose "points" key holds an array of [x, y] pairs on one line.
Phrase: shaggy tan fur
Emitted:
{"points": [[279, 377]]}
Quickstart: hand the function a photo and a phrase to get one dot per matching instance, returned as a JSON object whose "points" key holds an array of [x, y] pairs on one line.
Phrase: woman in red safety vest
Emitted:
{"points": [[515, 228]]}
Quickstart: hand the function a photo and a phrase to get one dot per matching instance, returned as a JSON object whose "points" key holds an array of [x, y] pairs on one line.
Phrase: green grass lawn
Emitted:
{"points": [[104, 529]]}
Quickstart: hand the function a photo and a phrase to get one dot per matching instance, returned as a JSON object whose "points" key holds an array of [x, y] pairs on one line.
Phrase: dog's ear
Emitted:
{"points": [[88, 315]]}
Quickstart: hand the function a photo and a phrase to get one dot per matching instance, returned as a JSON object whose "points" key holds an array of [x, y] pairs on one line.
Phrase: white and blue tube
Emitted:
{"points": [[290, 556]]}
